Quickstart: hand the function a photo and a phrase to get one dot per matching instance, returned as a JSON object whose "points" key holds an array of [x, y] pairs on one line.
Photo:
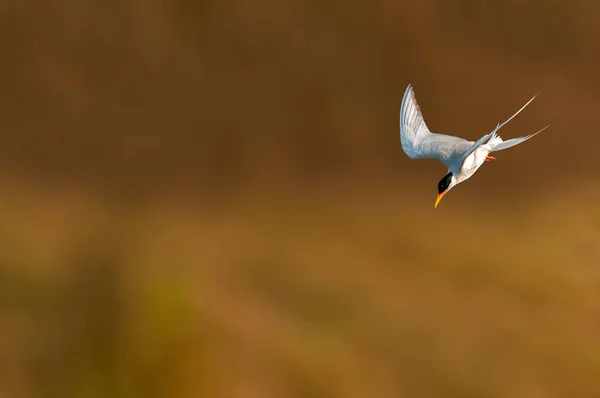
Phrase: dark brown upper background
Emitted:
{"points": [[212, 94]]}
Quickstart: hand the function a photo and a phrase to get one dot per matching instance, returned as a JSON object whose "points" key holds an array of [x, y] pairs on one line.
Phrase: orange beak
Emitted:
{"points": [[439, 197]]}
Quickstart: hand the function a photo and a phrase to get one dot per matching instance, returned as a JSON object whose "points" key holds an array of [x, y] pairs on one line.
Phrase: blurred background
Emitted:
{"points": [[207, 198]]}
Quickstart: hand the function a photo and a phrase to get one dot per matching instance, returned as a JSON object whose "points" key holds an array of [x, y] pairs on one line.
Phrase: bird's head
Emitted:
{"points": [[445, 184]]}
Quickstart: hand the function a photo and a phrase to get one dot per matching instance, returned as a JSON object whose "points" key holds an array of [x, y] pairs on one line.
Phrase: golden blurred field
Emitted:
{"points": [[312, 295], [209, 199]]}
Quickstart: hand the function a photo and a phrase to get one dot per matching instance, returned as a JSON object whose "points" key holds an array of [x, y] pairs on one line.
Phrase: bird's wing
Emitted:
{"points": [[420, 143]]}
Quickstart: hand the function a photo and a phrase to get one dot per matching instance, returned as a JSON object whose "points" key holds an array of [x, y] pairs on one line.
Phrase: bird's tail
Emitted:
{"points": [[497, 144], [496, 140]]}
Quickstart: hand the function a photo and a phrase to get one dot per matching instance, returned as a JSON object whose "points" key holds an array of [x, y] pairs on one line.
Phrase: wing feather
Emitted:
{"points": [[420, 143]]}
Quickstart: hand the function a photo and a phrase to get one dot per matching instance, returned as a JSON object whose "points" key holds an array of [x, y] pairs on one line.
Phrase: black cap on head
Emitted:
{"points": [[444, 183]]}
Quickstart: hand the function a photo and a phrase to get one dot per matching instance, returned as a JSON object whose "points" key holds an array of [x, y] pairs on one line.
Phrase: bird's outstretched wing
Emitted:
{"points": [[420, 143]]}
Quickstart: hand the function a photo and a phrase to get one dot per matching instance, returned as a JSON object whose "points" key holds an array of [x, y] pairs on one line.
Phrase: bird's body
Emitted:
{"points": [[462, 157]]}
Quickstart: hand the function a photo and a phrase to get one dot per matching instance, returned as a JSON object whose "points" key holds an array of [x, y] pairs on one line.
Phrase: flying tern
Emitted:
{"points": [[462, 157]]}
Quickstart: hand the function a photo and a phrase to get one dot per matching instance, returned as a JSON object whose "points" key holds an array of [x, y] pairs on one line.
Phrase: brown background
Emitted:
{"points": [[209, 198], [144, 93]]}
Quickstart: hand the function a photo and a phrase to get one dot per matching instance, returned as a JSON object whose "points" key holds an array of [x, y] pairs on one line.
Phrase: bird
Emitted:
{"points": [[462, 157]]}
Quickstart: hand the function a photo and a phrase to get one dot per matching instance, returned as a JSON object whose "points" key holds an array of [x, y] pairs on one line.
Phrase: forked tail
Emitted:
{"points": [[493, 137], [497, 144]]}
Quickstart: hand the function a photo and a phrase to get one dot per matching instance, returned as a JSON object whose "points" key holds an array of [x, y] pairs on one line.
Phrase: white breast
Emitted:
{"points": [[472, 163]]}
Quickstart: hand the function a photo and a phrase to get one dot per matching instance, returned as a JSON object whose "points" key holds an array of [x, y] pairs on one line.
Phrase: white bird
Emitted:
{"points": [[462, 157]]}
